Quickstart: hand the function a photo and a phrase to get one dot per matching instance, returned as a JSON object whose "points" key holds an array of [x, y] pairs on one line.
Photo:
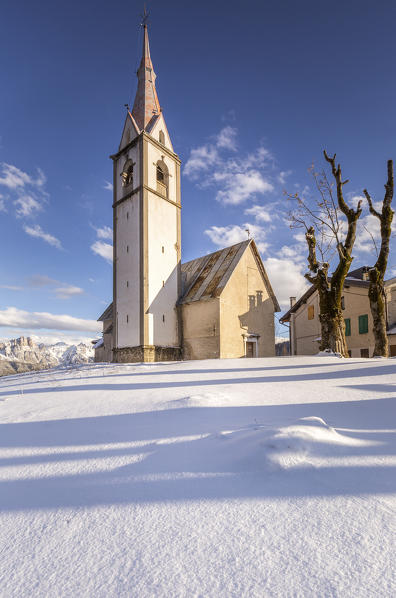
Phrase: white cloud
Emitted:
{"points": [[14, 178], [237, 178], [11, 287], [37, 232], [2, 204], [239, 187], [41, 280], [287, 279], [12, 317], [62, 290], [105, 232], [201, 158], [29, 195], [260, 213], [67, 291], [105, 250], [226, 139], [283, 176], [108, 186], [27, 205], [224, 236]]}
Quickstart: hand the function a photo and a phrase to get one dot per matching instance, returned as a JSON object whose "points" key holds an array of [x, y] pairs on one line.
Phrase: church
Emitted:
{"points": [[216, 306]]}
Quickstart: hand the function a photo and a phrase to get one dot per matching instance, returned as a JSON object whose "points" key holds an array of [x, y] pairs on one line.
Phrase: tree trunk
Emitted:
{"points": [[331, 320], [377, 273], [378, 311]]}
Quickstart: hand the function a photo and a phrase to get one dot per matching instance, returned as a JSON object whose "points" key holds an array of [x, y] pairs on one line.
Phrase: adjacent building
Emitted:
{"points": [[304, 324]]}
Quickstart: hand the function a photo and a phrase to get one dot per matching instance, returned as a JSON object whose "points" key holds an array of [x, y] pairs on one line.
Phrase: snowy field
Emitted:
{"points": [[229, 478]]}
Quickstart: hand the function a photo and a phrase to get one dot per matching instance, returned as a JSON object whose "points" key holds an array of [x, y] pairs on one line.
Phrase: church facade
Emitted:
{"points": [[220, 305]]}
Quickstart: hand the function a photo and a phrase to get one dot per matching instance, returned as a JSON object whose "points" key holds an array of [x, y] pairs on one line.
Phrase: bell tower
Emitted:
{"points": [[146, 224]]}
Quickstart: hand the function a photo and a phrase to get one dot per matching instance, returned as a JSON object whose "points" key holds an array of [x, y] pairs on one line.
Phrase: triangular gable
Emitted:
{"points": [[264, 275], [156, 125], [129, 132], [209, 275]]}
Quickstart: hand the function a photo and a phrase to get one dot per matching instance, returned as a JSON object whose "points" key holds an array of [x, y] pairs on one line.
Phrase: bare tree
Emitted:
{"points": [[330, 226], [377, 272]]}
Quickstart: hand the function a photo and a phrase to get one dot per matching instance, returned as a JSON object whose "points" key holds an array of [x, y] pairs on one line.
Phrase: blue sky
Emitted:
{"points": [[251, 92]]}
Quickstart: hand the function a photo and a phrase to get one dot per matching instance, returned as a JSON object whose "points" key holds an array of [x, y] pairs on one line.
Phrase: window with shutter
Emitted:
{"points": [[347, 326], [363, 324]]}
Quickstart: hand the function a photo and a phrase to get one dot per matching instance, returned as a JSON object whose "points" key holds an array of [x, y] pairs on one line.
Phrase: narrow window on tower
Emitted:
{"points": [[127, 248], [163, 318], [127, 173], [163, 249], [127, 283], [162, 137], [162, 178], [127, 318], [127, 215]]}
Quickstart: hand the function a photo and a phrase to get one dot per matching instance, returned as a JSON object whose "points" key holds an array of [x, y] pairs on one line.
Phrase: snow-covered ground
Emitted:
{"points": [[229, 478]]}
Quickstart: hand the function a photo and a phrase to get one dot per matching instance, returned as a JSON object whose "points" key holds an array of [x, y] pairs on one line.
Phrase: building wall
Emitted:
{"points": [[246, 308], [147, 246], [356, 304], [307, 331], [201, 329], [163, 254], [127, 252], [105, 352]]}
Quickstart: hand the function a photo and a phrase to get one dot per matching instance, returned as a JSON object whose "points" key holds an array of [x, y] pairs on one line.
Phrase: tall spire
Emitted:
{"points": [[146, 104]]}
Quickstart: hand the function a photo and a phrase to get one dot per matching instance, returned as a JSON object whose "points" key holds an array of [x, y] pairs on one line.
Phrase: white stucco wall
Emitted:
{"points": [[162, 255], [128, 256]]}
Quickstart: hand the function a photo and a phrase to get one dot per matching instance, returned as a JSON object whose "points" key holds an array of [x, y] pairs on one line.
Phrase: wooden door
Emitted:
{"points": [[249, 349]]}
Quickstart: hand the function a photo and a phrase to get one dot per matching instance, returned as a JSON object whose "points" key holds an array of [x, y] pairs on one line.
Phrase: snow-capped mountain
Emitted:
{"points": [[24, 354]]}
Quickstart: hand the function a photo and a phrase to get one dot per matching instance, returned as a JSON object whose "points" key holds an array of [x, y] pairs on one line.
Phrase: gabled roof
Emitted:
{"points": [[206, 277], [354, 279], [107, 314]]}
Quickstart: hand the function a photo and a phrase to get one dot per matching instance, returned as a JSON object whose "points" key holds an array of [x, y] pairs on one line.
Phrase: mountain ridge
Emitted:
{"points": [[23, 354]]}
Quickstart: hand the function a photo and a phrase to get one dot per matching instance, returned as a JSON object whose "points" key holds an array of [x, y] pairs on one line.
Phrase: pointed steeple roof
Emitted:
{"points": [[146, 105]]}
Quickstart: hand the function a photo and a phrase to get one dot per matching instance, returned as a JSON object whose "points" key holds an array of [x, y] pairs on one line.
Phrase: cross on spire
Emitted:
{"points": [[144, 16]]}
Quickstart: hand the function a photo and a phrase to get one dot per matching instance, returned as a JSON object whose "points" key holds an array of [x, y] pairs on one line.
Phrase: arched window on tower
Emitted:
{"points": [[162, 137], [162, 178], [127, 174]]}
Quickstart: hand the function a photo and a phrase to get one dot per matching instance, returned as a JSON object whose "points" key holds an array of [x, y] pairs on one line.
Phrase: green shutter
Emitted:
{"points": [[347, 326], [363, 324]]}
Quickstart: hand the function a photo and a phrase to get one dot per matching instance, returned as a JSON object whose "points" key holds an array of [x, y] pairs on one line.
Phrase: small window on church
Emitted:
{"points": [[162, 137], [127, 215], [127, 174], [127, 283], [127, 318], [162, 178], [127, 248], [163, 317], [160, 174], [163, 249]]}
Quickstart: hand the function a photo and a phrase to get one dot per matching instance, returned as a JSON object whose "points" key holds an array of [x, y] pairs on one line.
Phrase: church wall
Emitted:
{"points": [[245, 307], [201, 329], [128, 256], [163, 246], [161, 126], [155, 155]]}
